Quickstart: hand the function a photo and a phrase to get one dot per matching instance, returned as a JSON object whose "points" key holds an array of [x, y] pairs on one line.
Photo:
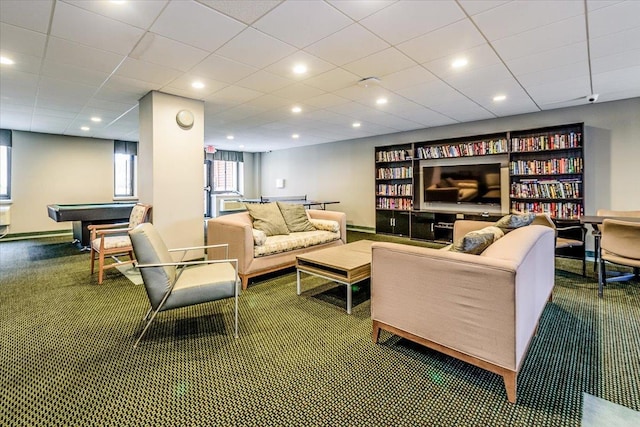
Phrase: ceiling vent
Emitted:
{"points": [[369, 81]]}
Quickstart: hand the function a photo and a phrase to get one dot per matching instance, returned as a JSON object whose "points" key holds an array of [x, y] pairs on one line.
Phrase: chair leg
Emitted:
{"points": [[93, 258], [601, 277], [100, 267], [145, 328]]}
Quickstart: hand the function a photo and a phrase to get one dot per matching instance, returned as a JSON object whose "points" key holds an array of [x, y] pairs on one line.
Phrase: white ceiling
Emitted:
{"points": [[80, 59]]}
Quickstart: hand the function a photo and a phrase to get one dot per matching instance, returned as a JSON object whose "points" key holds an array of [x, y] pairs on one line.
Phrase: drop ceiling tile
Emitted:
{"points": [[405, 20], [432, 93], [616, 43], [57, 103], [234, 95], [138, 13], [380, 63], [90, 29], [562, 72], [352, 109], [444, 42], [264, 81], [61, 71], [302, 22], [298, 92], [49, 124], [550, 93], [116, 107], [407, 78], [549, 59], [141, 70], [483, 94], [357, 9], [18, 84], [197, 25], [255, 48], [392, 121], [326, 100], [427, 117], [9, 107], [223, 69], [30, 14], [473, 7], [268, 102], [125, 90], [347, 45], [512, 106], [541, 39], [247, 11], [478, 57], [479, 77], [366, 95], [70, 53], [169, 53], [463, 110], [20, 40], [623, 14], [516, 17], [315, 66], [52, 88], [24, 63], [609, 63], [184, 83], [618, 81], [333, 80]]}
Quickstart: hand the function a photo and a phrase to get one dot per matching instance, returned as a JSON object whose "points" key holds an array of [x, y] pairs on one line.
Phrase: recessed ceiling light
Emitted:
{"points": [[296, 109], [295, 136], [230, 137], [356, 124], [197, 85], [381, 101], [96, 119], [460, 62], [6, 61], [300, 69], [85, 128], [499, 98]]}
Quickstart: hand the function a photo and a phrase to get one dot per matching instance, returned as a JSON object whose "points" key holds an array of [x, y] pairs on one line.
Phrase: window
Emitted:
{"points": [[124, 168], [225, 176], [5, 164]]}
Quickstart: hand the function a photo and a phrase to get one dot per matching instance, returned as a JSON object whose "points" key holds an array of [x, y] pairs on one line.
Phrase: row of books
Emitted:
{"points": [[393, 156], [549, 189], [395, 189], [547, 142], [395, 173], [392, 203], [560, 210], [546, 167], [479, 148]]}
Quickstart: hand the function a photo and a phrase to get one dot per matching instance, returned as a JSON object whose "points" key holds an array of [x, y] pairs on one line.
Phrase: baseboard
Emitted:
{"points": [[361, 229], [37, 234]]}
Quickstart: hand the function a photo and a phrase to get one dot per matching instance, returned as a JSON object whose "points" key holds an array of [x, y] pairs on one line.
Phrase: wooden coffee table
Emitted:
{"points": [[345, 264]]}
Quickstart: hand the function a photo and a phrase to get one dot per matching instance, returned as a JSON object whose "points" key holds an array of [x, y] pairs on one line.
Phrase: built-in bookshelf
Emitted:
{"points": [[542, 169], [546, 168]]}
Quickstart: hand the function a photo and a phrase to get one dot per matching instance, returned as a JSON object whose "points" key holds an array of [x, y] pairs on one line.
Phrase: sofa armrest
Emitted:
{"points": [[237, 234], [339, 217]]}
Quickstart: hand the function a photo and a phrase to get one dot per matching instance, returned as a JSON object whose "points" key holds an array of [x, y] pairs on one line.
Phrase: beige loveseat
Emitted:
{"points": [[482, 309], [236, 230]]}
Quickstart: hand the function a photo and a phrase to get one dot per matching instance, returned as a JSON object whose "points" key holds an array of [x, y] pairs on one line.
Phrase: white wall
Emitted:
{"points": [[49, 169], [345, 170]]}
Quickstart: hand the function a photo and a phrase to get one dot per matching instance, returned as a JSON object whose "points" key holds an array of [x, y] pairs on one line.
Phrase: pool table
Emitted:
{"points": [[85, 214]]}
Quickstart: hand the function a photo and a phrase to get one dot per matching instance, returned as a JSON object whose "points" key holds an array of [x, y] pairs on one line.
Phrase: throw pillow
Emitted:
{"points": [[513, 221], [259, 237], [475, 242], [295, 216], [267, 217], [326, 225]]}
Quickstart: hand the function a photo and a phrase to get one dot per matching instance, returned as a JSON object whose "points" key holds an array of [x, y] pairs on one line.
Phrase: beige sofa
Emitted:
{"points": [[236, 230], [482, 309]]}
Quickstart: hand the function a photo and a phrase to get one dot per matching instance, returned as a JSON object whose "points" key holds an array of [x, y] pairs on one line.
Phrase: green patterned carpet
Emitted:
{"points": [[67, 357]]}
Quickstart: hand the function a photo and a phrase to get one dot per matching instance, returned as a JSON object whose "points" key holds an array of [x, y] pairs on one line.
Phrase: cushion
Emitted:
{"points": [[513, 221], [475, 242], [259, 237], [326, 224], [267, 217], [295, 216]]}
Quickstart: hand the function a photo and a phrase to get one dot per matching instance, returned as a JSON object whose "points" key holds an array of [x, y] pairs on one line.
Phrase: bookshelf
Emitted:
{"points": [[546, 168], [394, 188]]}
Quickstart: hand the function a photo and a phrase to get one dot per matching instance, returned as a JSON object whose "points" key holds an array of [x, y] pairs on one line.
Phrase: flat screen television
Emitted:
{"points": [[471, 184]]}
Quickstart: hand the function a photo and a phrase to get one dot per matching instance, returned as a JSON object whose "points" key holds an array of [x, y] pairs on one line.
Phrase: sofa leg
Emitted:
{"points": [[245, 281], [510, 385], [550, 297], [375, 334]]}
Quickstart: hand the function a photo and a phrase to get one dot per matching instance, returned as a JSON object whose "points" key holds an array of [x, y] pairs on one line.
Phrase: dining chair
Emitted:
{"points": [[597, 229], [112, 240], [564, 242], [173, 284], [619, 244]]}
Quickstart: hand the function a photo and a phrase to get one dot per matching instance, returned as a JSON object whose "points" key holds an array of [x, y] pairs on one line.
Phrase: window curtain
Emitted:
{"points": [[5, 137], [229, 156], [125, 147]]}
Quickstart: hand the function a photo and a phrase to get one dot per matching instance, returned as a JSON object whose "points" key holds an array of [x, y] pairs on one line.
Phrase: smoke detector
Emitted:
{"points": [[368, 82]]}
